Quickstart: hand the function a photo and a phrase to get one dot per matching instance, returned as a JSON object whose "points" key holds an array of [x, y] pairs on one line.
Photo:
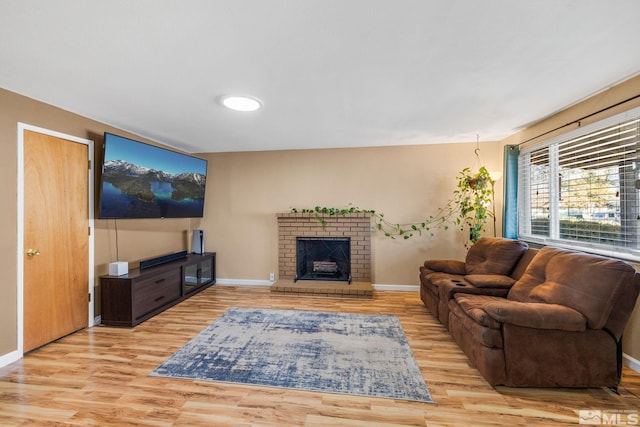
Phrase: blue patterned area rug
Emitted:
{"points": [[358, 354]]}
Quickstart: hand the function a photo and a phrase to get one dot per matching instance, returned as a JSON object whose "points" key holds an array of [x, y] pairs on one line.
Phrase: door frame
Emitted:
{"points": [[22, 127]]}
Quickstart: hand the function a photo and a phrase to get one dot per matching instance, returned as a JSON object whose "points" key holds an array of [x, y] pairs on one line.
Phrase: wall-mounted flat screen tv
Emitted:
{"points": [[144, 181]]}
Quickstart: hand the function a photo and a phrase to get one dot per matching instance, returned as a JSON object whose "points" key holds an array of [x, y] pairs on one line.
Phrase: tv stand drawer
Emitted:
{"points": [[156, 291]]}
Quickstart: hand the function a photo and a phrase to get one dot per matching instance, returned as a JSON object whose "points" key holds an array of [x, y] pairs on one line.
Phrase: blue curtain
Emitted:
{"points": [[510, 213]]}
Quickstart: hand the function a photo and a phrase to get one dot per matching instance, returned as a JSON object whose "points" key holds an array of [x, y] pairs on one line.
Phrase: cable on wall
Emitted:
{"points": [[115, 221]]}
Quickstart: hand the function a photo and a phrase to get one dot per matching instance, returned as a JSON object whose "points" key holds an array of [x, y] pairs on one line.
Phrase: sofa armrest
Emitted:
{"points": [[536, 315], [490, 280], [445, 266]]}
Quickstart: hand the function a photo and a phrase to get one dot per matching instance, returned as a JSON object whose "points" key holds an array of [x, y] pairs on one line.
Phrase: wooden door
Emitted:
{"points": [[56, 238]]}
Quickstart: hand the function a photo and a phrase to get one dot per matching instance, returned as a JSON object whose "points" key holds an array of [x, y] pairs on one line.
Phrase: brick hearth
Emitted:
{"points": [[321, 288], [356, 226]]}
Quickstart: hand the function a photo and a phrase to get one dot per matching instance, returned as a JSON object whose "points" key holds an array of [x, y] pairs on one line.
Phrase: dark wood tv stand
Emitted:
{"points": [[141, 294]]}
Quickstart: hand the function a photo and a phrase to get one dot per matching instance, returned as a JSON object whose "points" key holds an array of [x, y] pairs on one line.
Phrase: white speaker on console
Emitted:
{"points": [[119, 268], [197, 242]]}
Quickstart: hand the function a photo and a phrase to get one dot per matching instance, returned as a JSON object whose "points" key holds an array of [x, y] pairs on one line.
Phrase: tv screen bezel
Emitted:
{"points": [[108, 137]]}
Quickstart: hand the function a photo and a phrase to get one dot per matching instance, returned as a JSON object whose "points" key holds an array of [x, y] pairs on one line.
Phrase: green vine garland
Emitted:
{"points": [[468, 209]]}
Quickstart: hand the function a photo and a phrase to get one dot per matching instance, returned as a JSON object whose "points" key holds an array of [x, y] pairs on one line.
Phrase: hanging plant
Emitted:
{"points": [[473, 198], [468, 209]]}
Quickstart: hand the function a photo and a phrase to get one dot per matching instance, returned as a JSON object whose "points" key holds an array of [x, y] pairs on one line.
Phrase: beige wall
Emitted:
{"points": [[600, 101], [246, 190]]}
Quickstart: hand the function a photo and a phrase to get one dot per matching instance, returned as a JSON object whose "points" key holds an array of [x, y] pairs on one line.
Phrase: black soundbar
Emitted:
{"points": [[162, 259]]}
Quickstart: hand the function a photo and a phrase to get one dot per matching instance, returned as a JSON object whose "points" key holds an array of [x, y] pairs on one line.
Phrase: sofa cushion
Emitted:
{"points": [[476, 332], [490, 280], [536, 315], [473, 305], [522, 265], [587, 283], [533, 276], [445, 266], [493, 255]]}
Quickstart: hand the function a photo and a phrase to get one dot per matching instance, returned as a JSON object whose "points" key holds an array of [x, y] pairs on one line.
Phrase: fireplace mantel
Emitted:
{"points": [[357, 226]]}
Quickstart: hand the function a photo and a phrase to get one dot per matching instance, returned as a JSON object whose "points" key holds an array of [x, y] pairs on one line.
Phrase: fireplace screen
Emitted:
{"points": [[323, 258]]}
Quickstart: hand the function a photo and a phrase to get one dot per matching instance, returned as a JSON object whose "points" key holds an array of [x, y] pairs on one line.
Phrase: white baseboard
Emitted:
{"points": [[243, 282], [376, 286], [631, 362], [8, 358], [386, 287]]}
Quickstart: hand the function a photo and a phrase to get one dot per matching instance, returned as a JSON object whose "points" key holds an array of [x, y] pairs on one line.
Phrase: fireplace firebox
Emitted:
{"points": [[323, 258]]}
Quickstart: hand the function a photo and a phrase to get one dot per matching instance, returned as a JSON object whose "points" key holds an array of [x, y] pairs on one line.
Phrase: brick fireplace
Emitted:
{"points": [[356, 227]]}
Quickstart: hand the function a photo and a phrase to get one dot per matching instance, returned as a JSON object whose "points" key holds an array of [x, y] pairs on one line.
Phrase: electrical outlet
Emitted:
{"points": [[272, 276]]}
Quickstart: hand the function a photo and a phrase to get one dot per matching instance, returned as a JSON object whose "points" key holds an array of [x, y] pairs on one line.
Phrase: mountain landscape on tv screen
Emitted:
{"points": [[132, 191]]}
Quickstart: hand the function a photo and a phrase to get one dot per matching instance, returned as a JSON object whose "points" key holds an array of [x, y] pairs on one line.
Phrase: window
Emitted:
{"points": [[582, 189]]}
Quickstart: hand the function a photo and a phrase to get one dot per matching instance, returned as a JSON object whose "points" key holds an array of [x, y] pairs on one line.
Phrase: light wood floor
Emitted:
{"points": [[99, 376]]}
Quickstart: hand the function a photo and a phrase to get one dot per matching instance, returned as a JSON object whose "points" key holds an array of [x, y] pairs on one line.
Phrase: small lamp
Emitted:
{"points": [[495, 176]]}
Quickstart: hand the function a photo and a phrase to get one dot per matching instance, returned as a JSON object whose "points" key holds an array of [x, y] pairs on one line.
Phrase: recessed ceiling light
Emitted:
{"points": [[241, 103]]}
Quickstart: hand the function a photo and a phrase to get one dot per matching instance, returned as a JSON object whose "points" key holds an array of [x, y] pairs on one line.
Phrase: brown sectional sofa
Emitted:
{"points": [[491, 267], [559, 324]]}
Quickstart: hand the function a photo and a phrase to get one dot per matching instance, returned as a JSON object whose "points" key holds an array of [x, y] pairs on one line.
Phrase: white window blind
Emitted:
{"points": [[582, 189]]}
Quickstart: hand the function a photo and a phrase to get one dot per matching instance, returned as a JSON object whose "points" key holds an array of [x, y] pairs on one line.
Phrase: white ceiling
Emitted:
{"points": [[331, 73]]}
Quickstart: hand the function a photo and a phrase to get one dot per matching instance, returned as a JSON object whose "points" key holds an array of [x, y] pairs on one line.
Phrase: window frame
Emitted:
{"points": [[524, 197]]}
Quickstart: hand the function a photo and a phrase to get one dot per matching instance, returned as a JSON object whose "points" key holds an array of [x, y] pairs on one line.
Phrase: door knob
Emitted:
{"points": [[33, 252]]}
